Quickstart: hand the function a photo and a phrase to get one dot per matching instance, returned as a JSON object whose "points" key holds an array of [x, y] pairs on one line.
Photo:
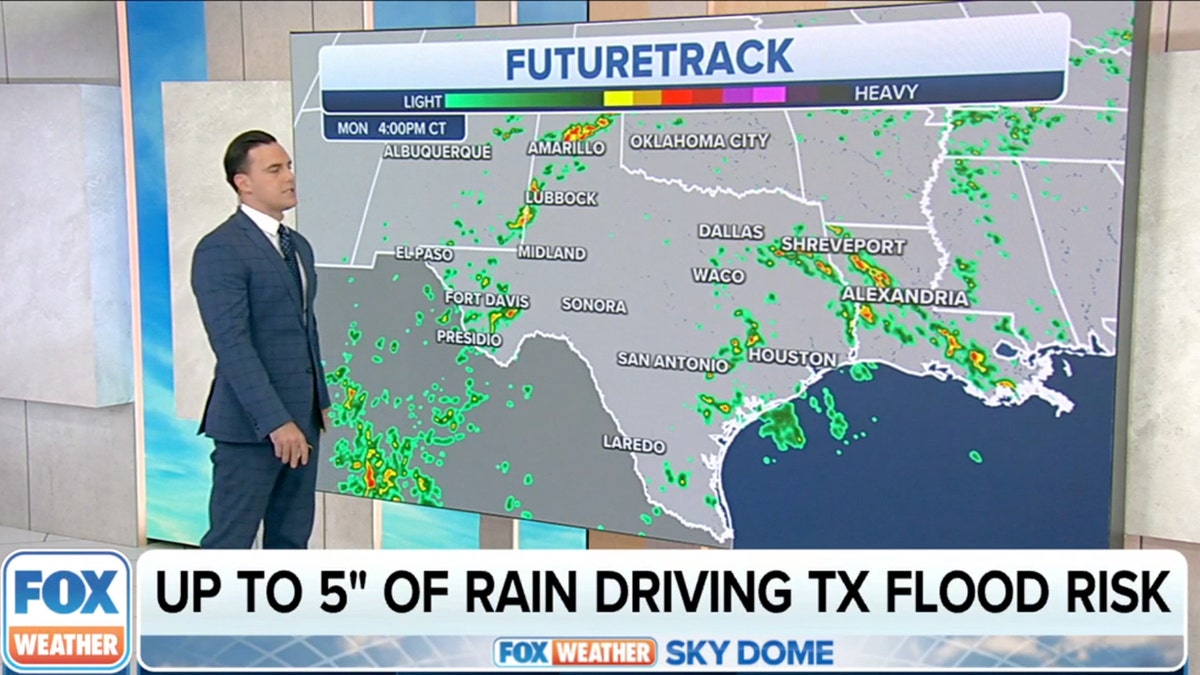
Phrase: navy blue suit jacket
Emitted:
{"points": [[265, 340]]}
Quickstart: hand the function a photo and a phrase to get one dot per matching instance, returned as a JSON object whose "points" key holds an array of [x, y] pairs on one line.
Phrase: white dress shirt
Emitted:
{"points": [[270, 227]]}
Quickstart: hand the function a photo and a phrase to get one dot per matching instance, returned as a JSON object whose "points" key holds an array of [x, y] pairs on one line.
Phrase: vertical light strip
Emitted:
{"points": [[512, 12], [166, 41], [135, 283], [376, 523], [376, 505]]}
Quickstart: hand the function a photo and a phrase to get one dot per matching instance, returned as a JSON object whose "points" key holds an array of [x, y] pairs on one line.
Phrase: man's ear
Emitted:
{"points": [[242, 181]]}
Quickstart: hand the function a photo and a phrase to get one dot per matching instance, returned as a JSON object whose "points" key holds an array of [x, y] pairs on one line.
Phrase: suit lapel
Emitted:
{"points": [[275, 260]]}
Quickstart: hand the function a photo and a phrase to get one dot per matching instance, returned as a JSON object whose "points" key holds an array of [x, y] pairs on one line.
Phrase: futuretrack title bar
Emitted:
{"points": [[1026, 43]]}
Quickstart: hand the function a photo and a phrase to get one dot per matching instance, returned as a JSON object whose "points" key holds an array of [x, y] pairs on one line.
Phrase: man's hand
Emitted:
{"points": [[326, 420], [291, 447]]}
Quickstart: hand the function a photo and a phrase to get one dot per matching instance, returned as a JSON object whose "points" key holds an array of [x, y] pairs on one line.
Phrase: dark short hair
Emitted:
{"points": [[236, 155]]}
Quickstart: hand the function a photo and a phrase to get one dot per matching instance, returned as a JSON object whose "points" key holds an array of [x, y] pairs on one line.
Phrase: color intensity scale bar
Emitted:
{"points": [[643, 98], [998, 87]]}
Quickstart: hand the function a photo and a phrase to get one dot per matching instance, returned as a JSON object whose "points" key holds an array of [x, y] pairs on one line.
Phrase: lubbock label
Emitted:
{"points": [[66, 610]]}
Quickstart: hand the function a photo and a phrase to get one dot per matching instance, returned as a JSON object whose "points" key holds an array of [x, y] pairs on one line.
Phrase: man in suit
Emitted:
{"points": [[255, 282]]}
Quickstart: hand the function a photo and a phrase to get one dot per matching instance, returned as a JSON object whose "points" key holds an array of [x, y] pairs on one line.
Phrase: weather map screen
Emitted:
{"points": [[820, 279]]}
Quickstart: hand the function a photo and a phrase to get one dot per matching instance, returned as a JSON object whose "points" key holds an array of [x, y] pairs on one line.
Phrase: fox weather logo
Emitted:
{"points": [[571, 652], [66, 610]]}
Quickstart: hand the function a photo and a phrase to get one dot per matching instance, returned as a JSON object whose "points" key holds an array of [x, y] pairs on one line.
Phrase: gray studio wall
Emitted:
{"points": [[1163, 486], [68, 463]]}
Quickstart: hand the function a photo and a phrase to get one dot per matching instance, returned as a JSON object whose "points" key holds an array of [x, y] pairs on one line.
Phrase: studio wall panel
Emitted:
{"points": [[758, 6], [611, 540], [556, 11], [669, 8], [108, 243], [82, 472], [671, 545], [14, 465], [223, 40], [495, 532], [266, 25], [1160, 14], [493, 12], [852, 4], [534, 535], [349, 522], [317, 538], [61, 41], [1163, 465], [390, 14], [622, 10], [199, 120], [64, 265], [716, 7], [337, 15], [618, 10], [1183, 31], [3, 49], [409, 526]]}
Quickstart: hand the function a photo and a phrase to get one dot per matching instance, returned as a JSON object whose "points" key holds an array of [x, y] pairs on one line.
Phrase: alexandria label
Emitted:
{"points": [[932, 297]]}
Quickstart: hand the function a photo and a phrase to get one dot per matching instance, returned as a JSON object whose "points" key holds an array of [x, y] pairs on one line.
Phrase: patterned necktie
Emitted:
{"points": [[289, 255]]}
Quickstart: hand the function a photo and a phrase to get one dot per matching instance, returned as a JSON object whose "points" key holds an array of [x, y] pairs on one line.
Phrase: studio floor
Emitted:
{"points": [[13, 539]]}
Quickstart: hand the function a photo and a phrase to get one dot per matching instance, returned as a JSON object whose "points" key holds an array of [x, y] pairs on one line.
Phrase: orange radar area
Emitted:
{"points": [[526, 213], [495, 316], [881, 278], [524, 217], [952, 343], [585, 130], [979, 360]]}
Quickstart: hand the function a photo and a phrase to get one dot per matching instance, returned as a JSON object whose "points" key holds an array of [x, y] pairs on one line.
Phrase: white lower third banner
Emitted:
{"points": [[662, 610]]}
